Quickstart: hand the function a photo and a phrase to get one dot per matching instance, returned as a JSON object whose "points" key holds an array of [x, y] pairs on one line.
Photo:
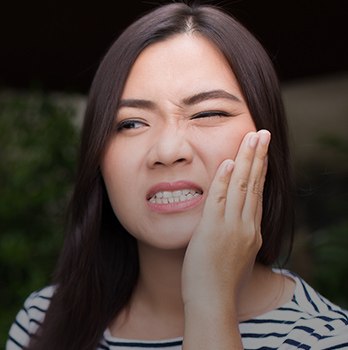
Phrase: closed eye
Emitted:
{"points": [[209, 114], [130, 124]]}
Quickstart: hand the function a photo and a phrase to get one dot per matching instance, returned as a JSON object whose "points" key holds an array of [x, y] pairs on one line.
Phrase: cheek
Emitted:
{"points": [[233, 136], [120, 189], [223, 145], [229, 145], [118, 170], [121, 160]]}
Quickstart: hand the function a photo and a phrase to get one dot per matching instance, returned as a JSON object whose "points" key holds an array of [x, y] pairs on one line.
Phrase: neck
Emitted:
{"points": [[159, 284], [156, 308], [265, 291]]}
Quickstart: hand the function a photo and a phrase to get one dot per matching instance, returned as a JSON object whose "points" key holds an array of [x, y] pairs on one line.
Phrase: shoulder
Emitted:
{"points": [[311, 302], [29, 318], [307, 321], [316, 320]]}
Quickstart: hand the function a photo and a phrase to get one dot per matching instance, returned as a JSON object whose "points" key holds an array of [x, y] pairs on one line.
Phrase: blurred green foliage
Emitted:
{"points": [[320, 251], [38, 142], [331, 260]]}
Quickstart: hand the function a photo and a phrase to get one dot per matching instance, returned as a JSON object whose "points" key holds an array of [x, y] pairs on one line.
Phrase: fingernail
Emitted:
{"points": [[264, 137], [228, 166], [253, 140]]}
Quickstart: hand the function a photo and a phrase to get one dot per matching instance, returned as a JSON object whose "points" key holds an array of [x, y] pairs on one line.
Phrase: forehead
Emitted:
{"points": [[182, 64]]}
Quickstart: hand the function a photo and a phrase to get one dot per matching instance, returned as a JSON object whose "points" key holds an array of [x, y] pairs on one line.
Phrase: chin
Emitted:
{"points": [[174, 236]]}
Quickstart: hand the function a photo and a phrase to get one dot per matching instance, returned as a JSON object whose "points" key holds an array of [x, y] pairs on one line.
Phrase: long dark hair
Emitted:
{"points": [[98, 267]]}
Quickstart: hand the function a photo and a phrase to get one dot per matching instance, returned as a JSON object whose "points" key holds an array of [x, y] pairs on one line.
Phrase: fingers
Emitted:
{"points": [[257, 175], [216, 199], [258, 217], [235, 193], [244, 197]]}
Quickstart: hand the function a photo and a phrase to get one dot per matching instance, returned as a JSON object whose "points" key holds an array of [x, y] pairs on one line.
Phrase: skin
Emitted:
{"points": [[198, 276]]}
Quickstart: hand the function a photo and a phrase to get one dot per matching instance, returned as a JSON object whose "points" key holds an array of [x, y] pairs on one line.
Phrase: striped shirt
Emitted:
{"points": [[308, 321]]}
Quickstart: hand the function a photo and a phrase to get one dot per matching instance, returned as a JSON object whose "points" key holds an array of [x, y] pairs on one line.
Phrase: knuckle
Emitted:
{"points": [[253, 229], [259, 243], [243, 185], [218, 194], [257, 189], [257, 240], [260, 198], [220, 199]]}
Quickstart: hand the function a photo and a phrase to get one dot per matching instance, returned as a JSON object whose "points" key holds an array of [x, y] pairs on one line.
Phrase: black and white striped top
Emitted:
{"points": [[308, 321]]}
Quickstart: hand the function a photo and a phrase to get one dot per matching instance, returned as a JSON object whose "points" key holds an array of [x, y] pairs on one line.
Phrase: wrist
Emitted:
{"points": [[211, 327]]}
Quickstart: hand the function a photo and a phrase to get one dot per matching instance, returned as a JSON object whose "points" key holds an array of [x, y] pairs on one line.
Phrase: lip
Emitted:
{"points": [[176, 206]]}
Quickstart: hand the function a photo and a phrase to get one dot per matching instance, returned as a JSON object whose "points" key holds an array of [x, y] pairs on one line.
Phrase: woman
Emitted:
{"points": [[181, 204]]}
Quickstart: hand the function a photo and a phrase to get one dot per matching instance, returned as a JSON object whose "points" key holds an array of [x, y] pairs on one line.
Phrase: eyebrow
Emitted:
{"points": [[192, 100], [210, 95], [136, 103]]}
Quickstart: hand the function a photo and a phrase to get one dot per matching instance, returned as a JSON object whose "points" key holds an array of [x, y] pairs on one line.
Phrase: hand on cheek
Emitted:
{"points": [[222, 251]]}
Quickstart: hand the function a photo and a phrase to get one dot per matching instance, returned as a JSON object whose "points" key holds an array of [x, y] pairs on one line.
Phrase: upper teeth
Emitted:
{"points": [[164, 197]]}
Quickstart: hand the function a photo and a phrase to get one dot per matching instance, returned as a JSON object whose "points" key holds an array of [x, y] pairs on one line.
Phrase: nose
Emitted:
{"points": [[170, 147]]}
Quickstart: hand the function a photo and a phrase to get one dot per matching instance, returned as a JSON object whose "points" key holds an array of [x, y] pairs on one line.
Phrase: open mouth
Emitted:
{"points": [[177, 196]]}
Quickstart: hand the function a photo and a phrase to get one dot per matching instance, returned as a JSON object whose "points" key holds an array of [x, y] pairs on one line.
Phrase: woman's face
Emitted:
{"points": [[181, 114]]}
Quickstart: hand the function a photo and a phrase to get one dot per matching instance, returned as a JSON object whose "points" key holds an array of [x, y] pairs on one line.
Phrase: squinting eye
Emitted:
{"points": [[208, 114], [130, 124]]}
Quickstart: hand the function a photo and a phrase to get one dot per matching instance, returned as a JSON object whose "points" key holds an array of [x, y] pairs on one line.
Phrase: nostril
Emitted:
{"points": [[177, 161]]}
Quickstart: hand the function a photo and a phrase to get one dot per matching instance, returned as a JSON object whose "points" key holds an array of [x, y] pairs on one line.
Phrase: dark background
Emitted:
{"points": [[57, 45]]}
